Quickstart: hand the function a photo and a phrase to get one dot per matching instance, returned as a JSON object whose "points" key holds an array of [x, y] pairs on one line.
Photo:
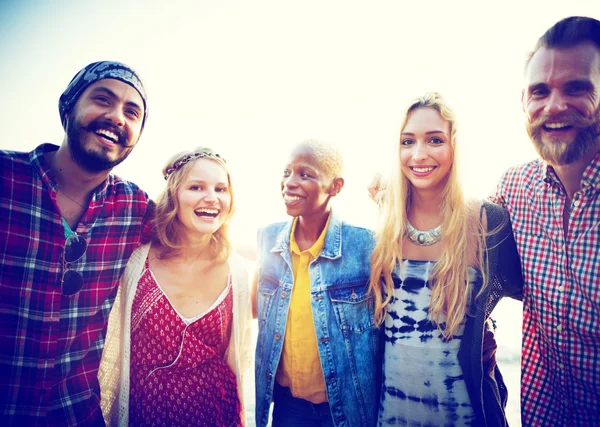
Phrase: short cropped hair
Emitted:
{"points": [[329, 158], [569, 32]]}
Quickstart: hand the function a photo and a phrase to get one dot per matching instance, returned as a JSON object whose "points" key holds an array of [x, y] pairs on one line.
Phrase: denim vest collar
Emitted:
{"points": [[332, 249]]}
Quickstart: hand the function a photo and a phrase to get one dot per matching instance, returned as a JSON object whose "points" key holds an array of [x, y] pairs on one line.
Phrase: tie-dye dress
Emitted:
{"points": [[423, 382]]}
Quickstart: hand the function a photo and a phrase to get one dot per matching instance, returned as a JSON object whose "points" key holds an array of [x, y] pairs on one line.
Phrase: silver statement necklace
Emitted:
{"points": [[424, 238]]}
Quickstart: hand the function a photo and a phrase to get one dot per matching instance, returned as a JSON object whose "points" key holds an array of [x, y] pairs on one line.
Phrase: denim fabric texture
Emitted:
{"points": [[348, 341]]}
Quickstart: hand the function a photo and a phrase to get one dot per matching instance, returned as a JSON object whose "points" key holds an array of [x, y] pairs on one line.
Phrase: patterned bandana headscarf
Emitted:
{"points": [[92, 73]]}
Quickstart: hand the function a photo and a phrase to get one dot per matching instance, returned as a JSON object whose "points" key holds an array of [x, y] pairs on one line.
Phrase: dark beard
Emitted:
{"points": [[90, 160], [560, 153]]}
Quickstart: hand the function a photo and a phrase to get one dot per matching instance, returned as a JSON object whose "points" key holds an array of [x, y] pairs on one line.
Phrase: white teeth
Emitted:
{"points": [[207, 211], [289, 198], [556, 125], [422, 170], [108, 134]]}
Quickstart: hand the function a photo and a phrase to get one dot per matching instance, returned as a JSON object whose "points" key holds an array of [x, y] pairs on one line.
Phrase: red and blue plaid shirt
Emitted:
{"points": [[560, 380], [50, 344]]}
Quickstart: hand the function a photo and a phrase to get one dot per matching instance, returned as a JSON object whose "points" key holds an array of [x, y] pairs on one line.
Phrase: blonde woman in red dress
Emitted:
{"points": [[176, 346]]}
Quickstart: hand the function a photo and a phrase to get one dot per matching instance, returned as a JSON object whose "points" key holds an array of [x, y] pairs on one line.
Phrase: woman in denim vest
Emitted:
{"points": [[317, 355]]}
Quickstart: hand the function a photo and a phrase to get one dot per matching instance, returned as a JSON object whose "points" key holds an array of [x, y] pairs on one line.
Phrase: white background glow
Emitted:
{"points": [[249, 78]]}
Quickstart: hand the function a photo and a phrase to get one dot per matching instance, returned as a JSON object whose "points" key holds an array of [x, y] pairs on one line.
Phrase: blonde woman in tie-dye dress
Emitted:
{"points": [[439, 267]]}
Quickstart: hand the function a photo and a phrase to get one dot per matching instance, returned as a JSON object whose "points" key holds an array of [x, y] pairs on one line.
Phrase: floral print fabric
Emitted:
{"points": [[178, 372]]}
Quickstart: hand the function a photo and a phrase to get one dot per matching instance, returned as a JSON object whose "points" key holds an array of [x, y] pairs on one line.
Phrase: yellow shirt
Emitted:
{"points": [[300, 366]]}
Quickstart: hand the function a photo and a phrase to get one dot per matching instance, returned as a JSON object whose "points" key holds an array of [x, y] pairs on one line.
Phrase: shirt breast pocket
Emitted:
{"points": [[353, 307], [267, 288]]}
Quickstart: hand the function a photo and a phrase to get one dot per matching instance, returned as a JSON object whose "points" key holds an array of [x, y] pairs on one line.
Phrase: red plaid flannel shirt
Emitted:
{"points": [[50, 344], [560, 380]]}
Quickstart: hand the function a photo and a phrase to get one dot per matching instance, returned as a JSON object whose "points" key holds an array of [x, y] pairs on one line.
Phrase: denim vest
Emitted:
{"points": [[349, 344]]}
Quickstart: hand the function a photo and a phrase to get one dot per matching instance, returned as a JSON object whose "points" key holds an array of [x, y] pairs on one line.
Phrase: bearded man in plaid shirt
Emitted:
{"points": [[554, 206], [68, 227]]}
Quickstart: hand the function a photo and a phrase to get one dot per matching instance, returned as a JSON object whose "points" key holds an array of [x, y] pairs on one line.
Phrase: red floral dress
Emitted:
{"points": [[178, 374]]}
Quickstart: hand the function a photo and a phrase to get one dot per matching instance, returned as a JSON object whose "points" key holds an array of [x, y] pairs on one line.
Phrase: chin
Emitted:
{"points": [[293, 213], [203, 230]]}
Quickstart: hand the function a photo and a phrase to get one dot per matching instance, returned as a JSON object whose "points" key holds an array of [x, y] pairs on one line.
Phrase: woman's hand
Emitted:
{"points": [[375, 188]]}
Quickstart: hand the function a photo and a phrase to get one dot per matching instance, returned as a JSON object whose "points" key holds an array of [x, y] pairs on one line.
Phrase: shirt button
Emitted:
{"points": [[277, 337], [283, 294], [559, 328], [561, 288], [576, 203]]}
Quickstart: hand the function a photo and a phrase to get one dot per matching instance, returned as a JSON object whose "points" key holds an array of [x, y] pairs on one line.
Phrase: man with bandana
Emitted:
{"points": [[68, 228], [554, 206]]}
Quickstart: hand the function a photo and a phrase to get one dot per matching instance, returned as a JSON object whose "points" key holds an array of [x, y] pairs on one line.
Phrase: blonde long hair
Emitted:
{"points": [[166, 225], [451, 289]]}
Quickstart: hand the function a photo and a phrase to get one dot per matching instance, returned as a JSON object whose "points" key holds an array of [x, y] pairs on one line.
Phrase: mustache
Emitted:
{"points": [[122, 137], [570, 118]]}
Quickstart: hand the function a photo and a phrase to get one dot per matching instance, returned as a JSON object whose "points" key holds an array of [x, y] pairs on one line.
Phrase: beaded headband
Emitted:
{"points": [[186, 159]]}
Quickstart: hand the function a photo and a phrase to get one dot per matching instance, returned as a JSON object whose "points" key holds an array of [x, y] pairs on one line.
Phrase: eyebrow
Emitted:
{"points": [[201, 181], [584, 82], [113, 95], [301, 167], [426, 133]]}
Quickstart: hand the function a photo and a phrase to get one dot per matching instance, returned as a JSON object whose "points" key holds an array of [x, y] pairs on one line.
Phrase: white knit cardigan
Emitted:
{"points": [[114, 367]]}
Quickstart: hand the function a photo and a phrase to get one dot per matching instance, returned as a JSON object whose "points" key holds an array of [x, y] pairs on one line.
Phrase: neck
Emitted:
{"points": [[196, 248], [424, 210], [570, 175], [70, 177], [308, 229]]}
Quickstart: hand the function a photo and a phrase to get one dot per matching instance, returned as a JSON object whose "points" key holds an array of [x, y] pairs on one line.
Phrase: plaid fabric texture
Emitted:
{"points": [[50, 344], [560, 381]]}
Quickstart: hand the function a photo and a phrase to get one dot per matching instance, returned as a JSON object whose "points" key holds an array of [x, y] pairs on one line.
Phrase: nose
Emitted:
{"points": [[115, 116], [210, 196], [289, 181], [555, 103], [419, 151]]}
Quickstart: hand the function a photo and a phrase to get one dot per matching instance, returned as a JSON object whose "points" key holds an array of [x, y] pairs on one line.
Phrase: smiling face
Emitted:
{"points": [[562, 102], [104, 125], [305, 187], [204, 198], [426, 152]]}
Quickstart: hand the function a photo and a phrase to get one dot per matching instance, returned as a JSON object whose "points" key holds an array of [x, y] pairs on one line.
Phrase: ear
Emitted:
{"points": [[336, 186], [523, 99]]}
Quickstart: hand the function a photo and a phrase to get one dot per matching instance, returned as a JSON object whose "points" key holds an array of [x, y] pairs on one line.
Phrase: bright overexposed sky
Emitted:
{"points": [[249, 78]]}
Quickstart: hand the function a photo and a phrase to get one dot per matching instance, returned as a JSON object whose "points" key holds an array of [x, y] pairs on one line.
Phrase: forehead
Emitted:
{"points": [[426, 119], [125, 92], [579, 62], [304, 156], [206, 169]]}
